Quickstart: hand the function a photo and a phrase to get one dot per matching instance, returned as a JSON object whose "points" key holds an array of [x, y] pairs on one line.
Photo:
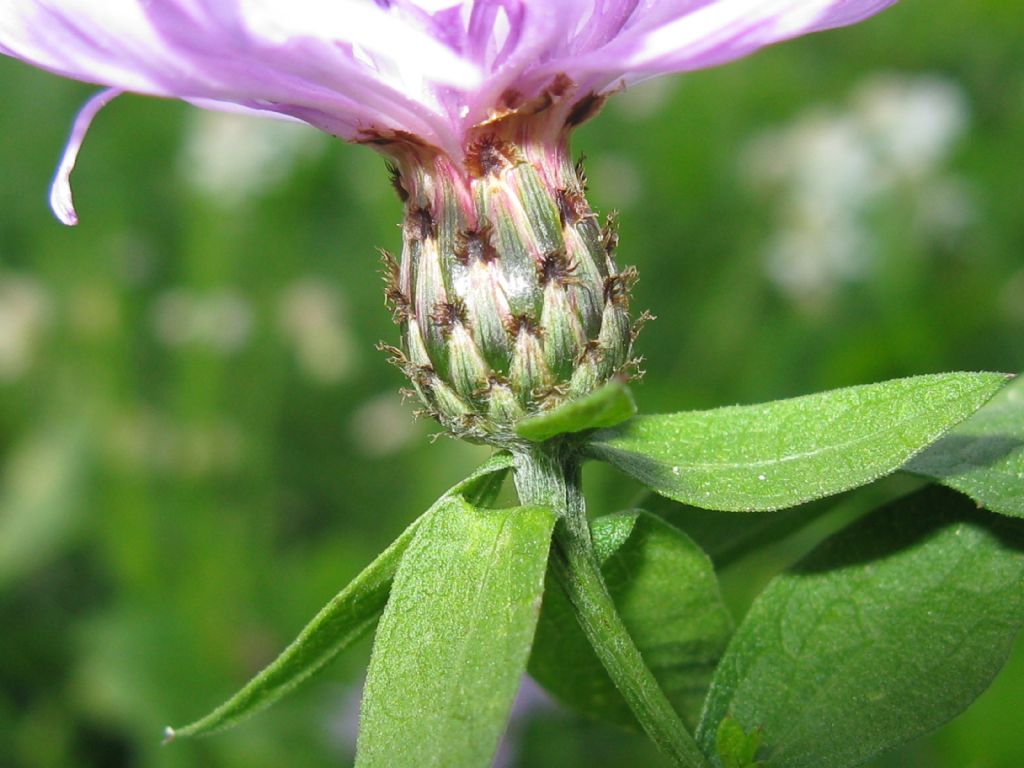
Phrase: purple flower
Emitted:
{"points": [[362, 69]]}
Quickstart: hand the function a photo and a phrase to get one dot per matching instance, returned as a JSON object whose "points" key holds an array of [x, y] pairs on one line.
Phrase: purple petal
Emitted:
{"points": [[681, 35], [607, 19], [518, 59], [60, 189], [433, 68], [358, 64]]}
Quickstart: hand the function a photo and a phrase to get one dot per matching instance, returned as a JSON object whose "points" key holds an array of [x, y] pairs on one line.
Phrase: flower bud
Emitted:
{"points": [[507, 293]]}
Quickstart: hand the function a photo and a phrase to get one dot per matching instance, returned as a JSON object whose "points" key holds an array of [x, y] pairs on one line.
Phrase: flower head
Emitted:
{"points": [[507, 293], [432, 69]]}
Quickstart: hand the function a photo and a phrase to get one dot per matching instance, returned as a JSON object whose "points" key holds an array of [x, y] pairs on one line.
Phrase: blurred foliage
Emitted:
{"points": [[199, 445]]}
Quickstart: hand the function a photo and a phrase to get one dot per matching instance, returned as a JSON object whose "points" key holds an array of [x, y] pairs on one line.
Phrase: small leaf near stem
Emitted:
{"points": [[735, 747], [544, 476], [605, 407]]}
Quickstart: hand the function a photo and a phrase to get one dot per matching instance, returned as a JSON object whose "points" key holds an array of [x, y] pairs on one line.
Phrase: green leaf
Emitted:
{"points": [[776, 455], [735, 747], [726, 536], [667, 595], [887, 630], [984, 456], [343, 620], [604, 407], [454, 639]]}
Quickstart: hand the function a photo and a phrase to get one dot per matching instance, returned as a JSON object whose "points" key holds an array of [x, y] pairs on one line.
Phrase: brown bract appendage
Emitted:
{"points": [[558, 268], [448, 314], [518, 324], [491, 155], [617, 288], [572, 206], [475, 245], [585, 109], [420, 223]]}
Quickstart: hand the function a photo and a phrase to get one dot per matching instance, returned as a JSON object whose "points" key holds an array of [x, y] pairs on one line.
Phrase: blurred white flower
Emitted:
{"points": [[1011, 298], [642, 101], [311, 314], [829, 169], [824, 159], [804, 260], [221, 320], [26, 309], [93, 310], [945, 209], [913, 121], [148, 440], [41, 495], [232, 158], [618, 179], [382, 426]]}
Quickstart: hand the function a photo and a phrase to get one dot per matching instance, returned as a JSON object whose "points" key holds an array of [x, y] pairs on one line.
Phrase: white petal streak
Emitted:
{"points": [[522, 62], [60, 189], [434, 6], [664, 36], [137, 45], [386, 34], [289, 56], [722, 25]]}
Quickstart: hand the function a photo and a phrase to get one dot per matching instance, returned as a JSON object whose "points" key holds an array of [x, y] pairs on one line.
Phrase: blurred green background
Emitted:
{"points": [[199, 444]]}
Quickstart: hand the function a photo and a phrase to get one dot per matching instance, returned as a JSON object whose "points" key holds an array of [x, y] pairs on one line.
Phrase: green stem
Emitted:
{"points": [[544, 476]]}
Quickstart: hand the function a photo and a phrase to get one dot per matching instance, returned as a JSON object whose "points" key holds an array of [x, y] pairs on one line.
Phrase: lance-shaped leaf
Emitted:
{"points": [[343, 620], [984, 456], [779, 454], [887, 630], [453, 642], [605, 407], [666, 592]]}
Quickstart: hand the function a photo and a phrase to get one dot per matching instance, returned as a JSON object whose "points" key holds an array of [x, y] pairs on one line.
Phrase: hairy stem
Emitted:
{"points": [[545, 476]]}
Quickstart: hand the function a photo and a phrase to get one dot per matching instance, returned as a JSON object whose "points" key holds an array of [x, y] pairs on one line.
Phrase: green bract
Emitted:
{"points": [[604, 407]]}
